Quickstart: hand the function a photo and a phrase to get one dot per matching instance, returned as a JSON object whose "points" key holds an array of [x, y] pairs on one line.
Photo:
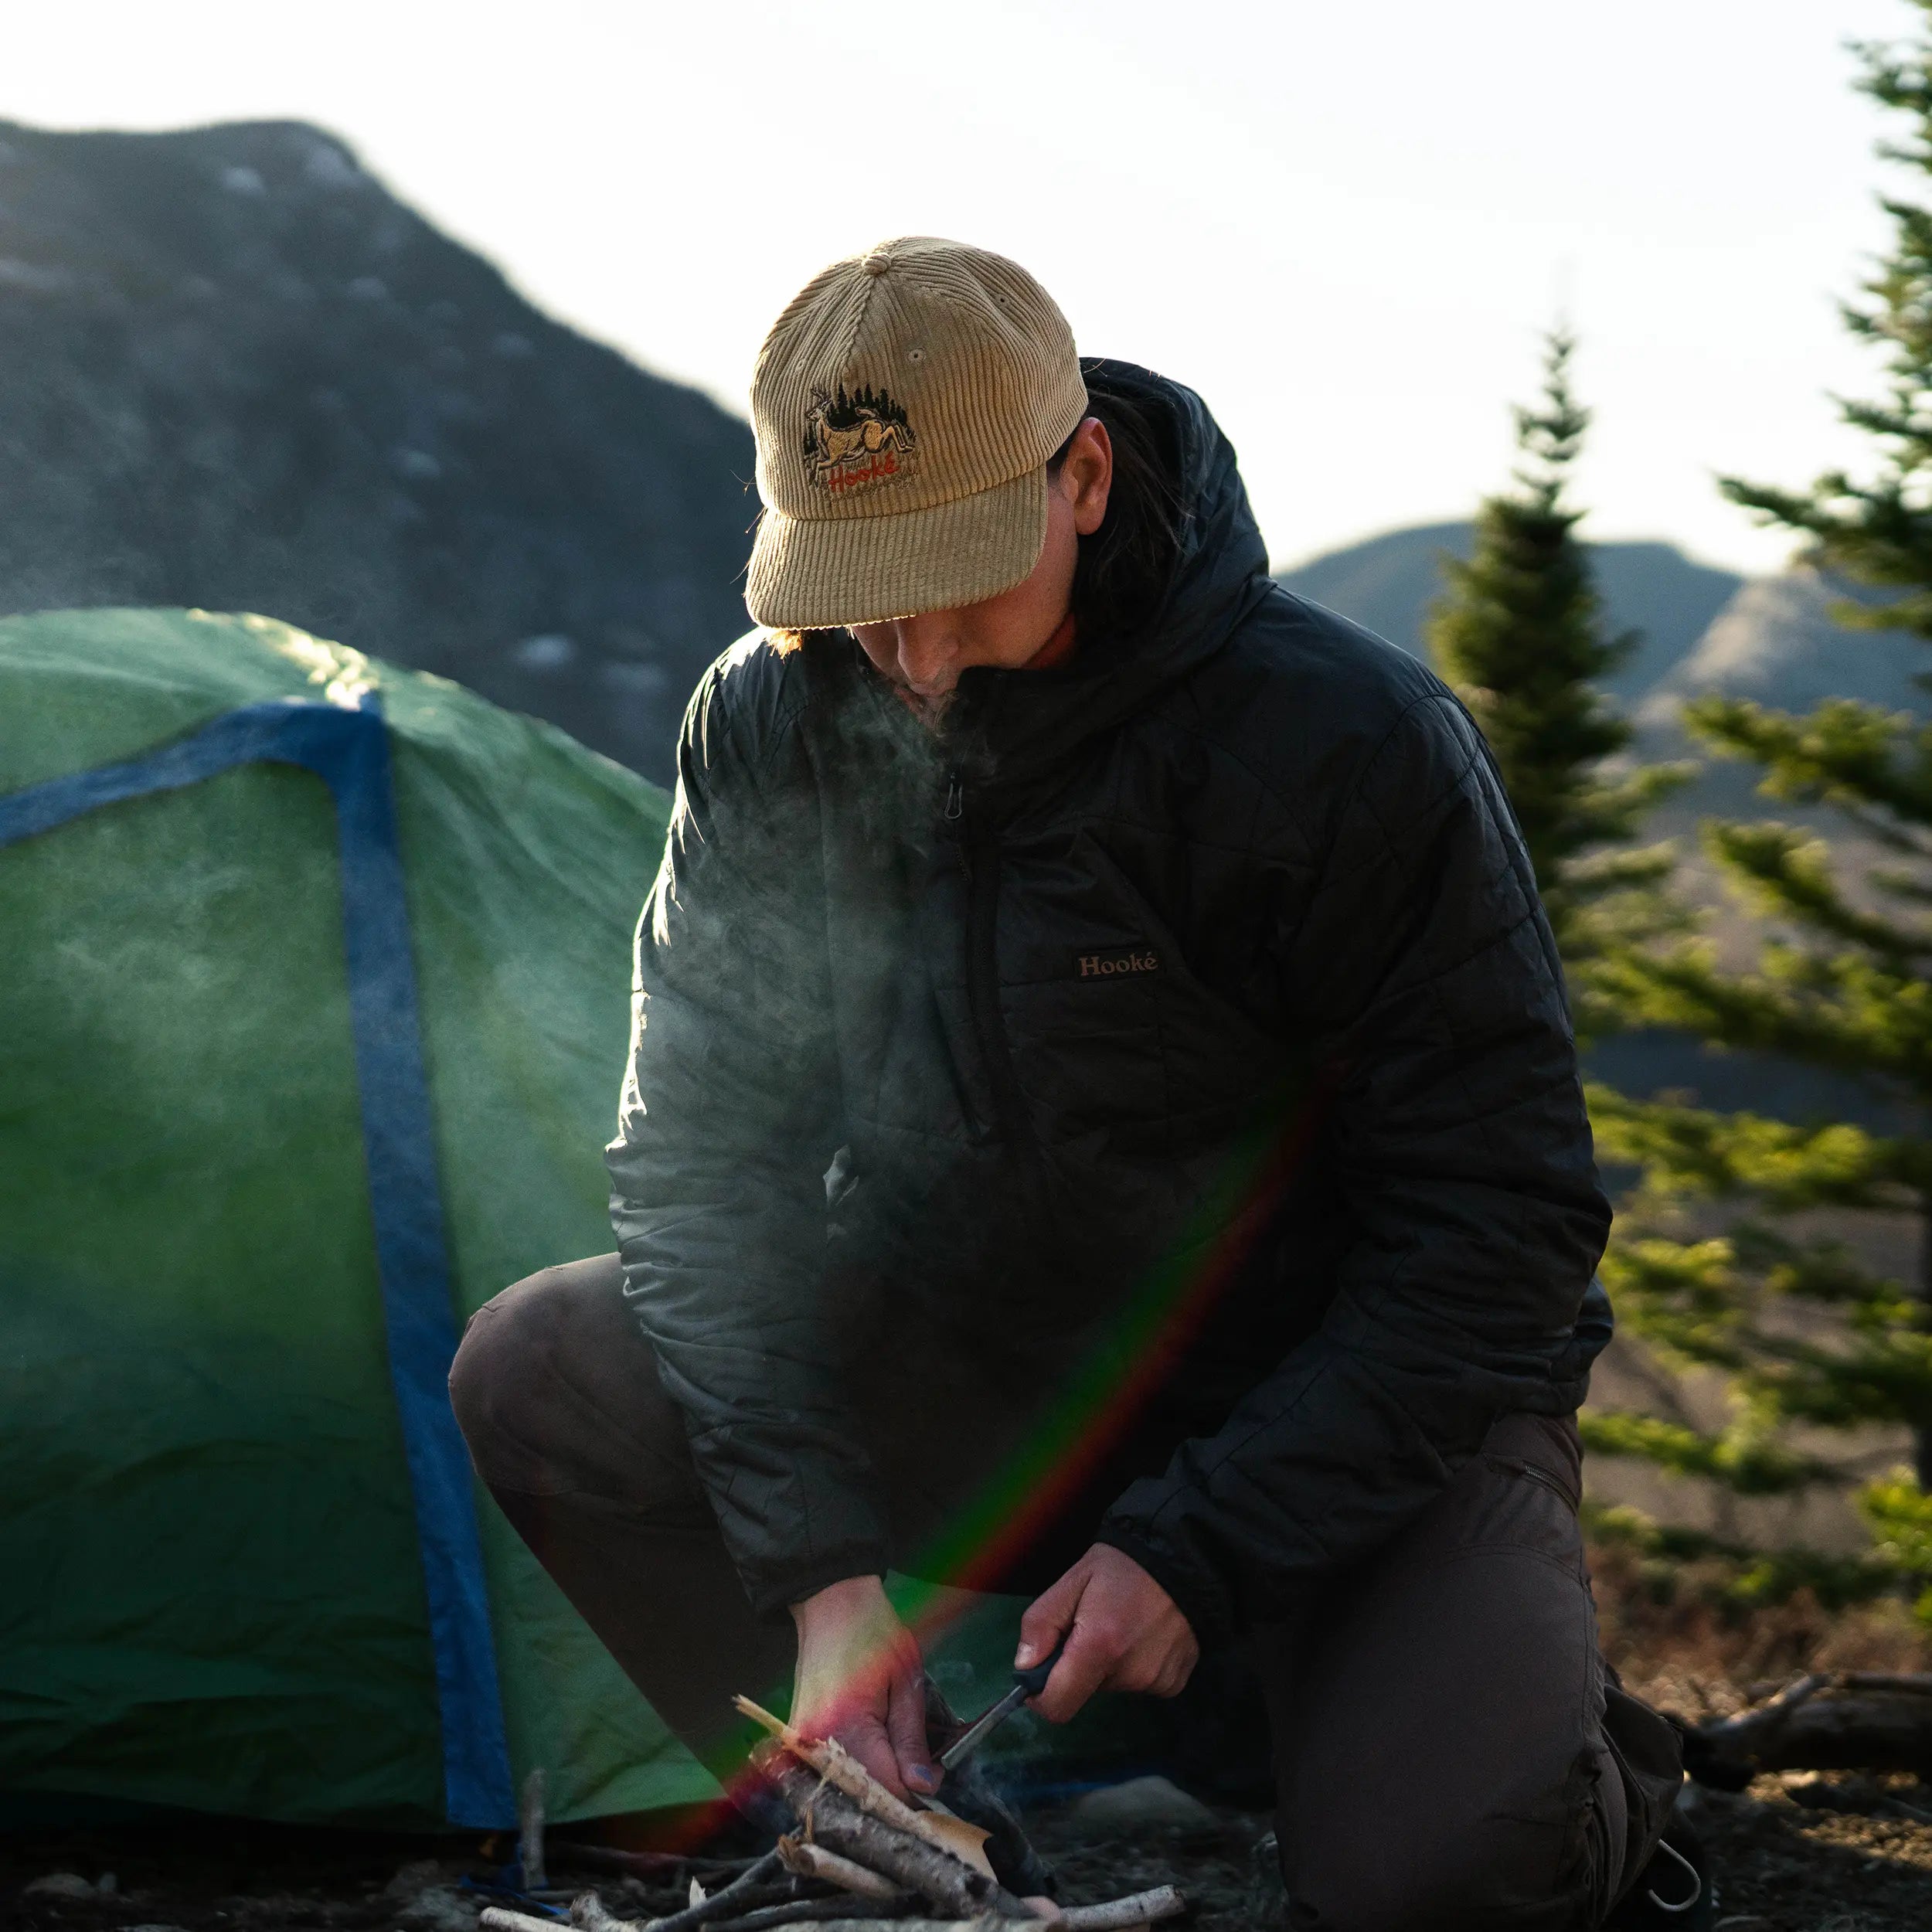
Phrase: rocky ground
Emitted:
{"points": [[1811, 1855], [1795, 1854]]}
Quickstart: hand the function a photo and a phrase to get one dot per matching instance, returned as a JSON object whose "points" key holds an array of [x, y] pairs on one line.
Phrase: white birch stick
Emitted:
{"points": [[1139, 1908], [811, 1861]]}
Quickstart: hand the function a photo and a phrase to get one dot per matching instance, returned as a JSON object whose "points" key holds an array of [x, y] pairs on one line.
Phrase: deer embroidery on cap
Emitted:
{"points": [[853, 442]]}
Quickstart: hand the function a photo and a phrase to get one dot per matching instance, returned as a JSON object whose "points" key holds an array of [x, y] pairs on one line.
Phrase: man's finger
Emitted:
{"points": [[1087, 1664], [906, 1727], [1178, 1669]]}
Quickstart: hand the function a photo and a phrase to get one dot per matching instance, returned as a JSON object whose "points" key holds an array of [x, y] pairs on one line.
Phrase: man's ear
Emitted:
{"points": [[1087, 474]]}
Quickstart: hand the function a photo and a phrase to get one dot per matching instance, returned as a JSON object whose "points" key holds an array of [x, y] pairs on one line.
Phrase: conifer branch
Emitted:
{"points": [[1742, 1458]]}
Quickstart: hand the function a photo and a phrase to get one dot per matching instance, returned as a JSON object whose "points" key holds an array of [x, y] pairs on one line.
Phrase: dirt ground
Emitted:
{"points": [[1796, 1854]]}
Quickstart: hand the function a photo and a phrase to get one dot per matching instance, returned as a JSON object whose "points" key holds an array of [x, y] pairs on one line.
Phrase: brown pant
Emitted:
{"points": [[1450, 1748]]}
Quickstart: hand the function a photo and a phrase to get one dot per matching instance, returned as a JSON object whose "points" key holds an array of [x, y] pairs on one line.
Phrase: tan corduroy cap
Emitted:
{"points": [[905, 405]]}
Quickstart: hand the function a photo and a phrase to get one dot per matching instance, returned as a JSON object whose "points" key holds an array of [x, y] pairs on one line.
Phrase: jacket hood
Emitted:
{"points": [[1005, 726]]}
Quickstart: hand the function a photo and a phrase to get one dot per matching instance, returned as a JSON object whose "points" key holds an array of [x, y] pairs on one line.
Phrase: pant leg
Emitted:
{"points": [[556, 1390], [557, 1393], [1450, 1749]]}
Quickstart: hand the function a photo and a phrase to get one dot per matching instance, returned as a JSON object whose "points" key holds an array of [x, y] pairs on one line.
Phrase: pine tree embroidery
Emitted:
{"points": [[853, 440]]}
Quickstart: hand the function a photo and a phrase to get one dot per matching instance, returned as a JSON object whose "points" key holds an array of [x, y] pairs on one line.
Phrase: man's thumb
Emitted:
{"points": [[1047, 1616]]}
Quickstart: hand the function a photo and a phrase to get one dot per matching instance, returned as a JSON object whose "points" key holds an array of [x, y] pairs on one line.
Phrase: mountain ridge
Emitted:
{"points": [[1387, 582], [236, 371]]}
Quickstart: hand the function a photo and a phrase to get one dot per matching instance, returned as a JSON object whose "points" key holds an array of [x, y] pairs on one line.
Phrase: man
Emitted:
{"points": [[1100, 1074]]}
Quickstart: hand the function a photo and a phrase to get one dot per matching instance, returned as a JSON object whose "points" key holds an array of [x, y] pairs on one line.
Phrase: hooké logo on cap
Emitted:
{"points": [[853, 442]]}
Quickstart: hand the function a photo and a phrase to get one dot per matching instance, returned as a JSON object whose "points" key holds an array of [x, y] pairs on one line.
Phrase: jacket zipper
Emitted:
{"points": [[980, 852]]}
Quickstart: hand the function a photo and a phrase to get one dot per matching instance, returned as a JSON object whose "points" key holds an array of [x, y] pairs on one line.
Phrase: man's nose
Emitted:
{"points": [[926, 649]]}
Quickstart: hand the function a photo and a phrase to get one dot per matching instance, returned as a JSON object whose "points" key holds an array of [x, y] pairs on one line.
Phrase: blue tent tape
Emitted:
{"points": [[349, 750]]}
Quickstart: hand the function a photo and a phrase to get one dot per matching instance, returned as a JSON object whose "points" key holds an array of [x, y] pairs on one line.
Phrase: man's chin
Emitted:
{"points": [[930, 710]]}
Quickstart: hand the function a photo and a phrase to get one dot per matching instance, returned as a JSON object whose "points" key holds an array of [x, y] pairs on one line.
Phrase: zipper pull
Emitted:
{"points": [[955, 798]]}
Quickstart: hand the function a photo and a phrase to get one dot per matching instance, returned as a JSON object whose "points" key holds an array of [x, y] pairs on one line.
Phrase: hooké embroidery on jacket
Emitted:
{"points": [[1121, 960]]}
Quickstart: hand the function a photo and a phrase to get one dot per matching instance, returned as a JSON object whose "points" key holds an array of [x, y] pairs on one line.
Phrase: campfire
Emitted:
{"points": [[859, 1855]]}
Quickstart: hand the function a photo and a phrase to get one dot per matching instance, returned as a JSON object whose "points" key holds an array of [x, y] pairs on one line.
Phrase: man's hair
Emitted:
{"points": [[1120, 580]]}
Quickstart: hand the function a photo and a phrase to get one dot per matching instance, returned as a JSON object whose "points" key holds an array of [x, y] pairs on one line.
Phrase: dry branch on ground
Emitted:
{"points": [[1839, 1720]]}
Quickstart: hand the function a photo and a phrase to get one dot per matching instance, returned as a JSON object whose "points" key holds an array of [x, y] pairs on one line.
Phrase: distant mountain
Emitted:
{"points": [[1388, 583], [237, 373], [1777, 642]]}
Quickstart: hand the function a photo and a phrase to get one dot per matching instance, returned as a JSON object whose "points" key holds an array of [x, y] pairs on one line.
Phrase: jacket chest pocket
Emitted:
{"points": [[1088, 1049], [1114, 1045], [1118, 1044]]}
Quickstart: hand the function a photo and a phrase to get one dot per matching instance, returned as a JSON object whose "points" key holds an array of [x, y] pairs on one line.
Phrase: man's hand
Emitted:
{"points": [[859, 1679], [1124, 1633]]}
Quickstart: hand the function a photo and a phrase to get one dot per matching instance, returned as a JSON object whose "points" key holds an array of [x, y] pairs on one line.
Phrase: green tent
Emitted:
{"points": [[312, 1014], [313, 998]]}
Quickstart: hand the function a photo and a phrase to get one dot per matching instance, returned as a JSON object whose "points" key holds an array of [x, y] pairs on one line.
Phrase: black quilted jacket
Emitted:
{"points": [[1178, 1042]]}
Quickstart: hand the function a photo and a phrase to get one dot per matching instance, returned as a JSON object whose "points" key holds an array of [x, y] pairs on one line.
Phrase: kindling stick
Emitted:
{"points": [[500, 1918], [529, 1845], [1140, 1908], [589, 1913], [843, 1910], [811, 1861], [727, 1901], [831, 1818]]}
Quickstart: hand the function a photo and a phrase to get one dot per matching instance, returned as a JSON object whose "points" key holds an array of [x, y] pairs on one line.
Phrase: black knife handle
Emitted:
{"points": [[1033, 1680]]}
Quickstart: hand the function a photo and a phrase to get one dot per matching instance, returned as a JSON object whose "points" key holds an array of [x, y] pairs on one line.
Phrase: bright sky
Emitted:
{"points": [[1346, 224]]}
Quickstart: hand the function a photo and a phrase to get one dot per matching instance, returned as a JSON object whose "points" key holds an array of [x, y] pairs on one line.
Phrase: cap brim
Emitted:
{"points": [[815, 574]]}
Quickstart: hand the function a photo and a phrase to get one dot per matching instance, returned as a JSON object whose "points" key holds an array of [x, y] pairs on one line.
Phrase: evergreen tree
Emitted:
{"points": [[1520, 635], [1805, 1330]]}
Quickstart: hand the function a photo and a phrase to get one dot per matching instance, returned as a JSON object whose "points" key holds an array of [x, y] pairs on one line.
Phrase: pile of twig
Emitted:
{"points": [[858, 1858]]}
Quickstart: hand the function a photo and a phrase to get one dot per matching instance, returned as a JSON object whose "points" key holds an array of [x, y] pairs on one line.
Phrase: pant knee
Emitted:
{"points": [[557, 1393], [503, 1386]]}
